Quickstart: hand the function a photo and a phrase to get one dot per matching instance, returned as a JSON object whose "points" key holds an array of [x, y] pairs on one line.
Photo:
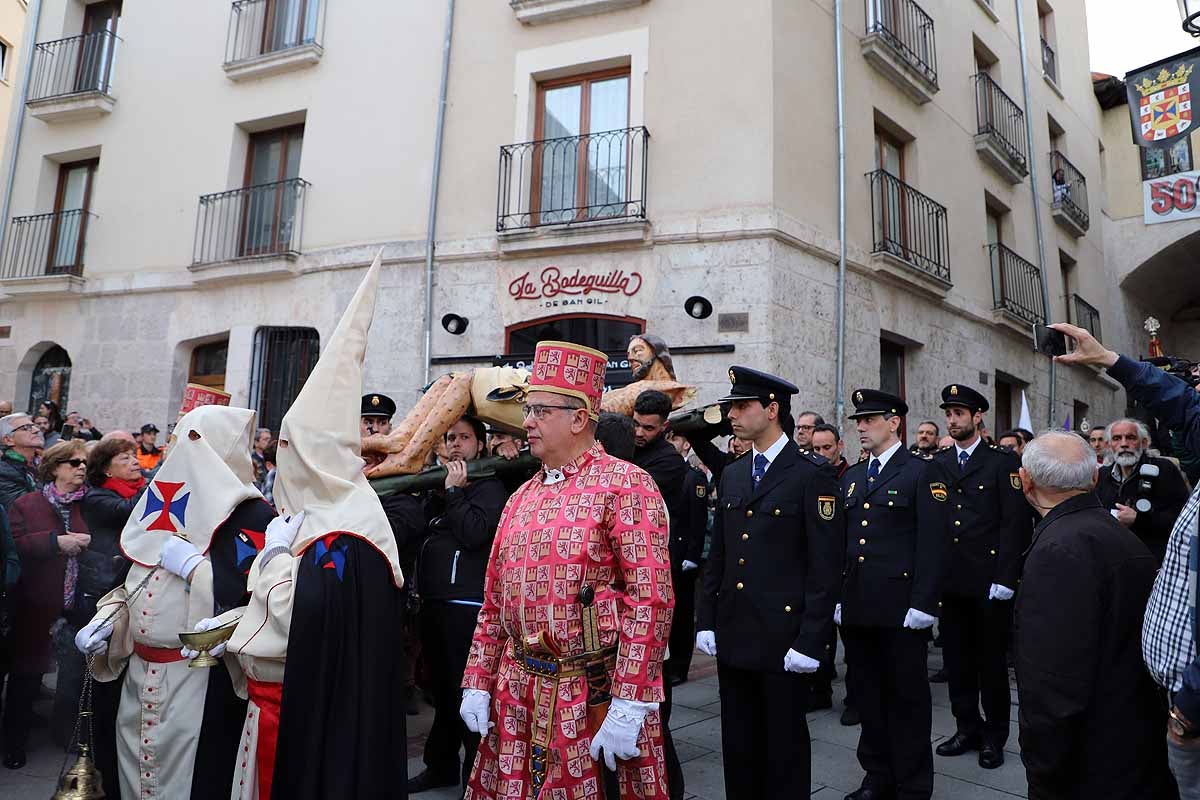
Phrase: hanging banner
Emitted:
{"points": [[1160, 100]]}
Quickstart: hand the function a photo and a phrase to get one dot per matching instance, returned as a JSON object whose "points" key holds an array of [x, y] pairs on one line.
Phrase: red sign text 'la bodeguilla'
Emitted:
{"points": [[552, 284]]}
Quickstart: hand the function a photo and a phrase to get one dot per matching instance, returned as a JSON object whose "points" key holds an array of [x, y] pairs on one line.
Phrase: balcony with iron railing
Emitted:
{"points": [[1000, 135], [268, 37], [255, 222], [573, 181], [1086, 316], [1016, 288], [900, 43], [1049, 63], [44, 253], [911, 229], [1070, 200], [72, 78]]}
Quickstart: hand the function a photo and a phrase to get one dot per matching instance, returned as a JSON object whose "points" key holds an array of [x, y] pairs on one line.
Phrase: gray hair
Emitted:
{"points": [[1142, 430], [9, 423], [260, 431], [1060, 460]]}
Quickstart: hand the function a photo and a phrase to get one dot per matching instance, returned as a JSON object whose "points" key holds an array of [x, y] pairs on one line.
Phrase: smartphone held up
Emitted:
{"points": [[1048, 341]]}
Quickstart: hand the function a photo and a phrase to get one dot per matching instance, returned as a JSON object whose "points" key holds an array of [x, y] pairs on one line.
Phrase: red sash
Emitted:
{"points": [[157, 655], [266, 696]]}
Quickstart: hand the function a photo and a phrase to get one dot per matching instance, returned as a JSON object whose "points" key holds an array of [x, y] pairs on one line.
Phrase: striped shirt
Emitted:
{"points": [[1168, 640]]}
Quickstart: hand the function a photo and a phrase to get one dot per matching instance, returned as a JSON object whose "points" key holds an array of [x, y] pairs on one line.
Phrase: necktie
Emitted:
{"points": [[760, 467], [963, 455], [873, 469]]}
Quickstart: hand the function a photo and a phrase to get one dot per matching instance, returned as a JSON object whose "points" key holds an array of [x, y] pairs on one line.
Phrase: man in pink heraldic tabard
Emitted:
{"points": [[565, 671]]}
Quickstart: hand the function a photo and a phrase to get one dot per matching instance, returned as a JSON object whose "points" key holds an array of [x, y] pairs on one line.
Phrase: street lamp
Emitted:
{"points": [[1189, 12]]}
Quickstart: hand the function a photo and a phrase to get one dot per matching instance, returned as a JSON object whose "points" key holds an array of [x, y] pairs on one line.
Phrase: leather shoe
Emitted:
{"points": [[430, 780], [14, 759], [867, 793], [958, 744], [938, 677], [850, 716], [990, 756]]}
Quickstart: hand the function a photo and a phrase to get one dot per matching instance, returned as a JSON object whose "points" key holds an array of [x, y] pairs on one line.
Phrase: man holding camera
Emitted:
{"points": [[1169, 632], [1144, 493]]}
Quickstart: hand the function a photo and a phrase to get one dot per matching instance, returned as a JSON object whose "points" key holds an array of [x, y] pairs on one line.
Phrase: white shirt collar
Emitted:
{"points": [[970, 451], [773, 451], [887, 454]]}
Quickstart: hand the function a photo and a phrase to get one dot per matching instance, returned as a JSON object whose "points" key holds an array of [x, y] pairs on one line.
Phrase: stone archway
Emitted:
{"points": [[1166, 285], [49, 375]]}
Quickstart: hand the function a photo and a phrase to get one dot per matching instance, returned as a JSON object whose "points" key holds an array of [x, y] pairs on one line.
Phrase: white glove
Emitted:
{"points": [[798, 662], [706, 642], [688, 566], [201, 626], [179, 556], [998, 592], [476, 704], [618, 736], [918, 620], [281, 531], [92, 638], [837, 614]]}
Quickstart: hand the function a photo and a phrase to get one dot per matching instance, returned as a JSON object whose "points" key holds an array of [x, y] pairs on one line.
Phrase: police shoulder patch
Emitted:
{"points": [[1015, 479], [701, 491], [826, 504], [939, 491]]}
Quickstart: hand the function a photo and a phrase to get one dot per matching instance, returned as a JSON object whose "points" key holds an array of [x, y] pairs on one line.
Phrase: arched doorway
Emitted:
{"points": [[51, 379], [608, 334]]}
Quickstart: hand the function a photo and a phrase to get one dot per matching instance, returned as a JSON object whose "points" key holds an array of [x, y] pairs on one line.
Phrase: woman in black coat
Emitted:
{"points": [[115, 485]]}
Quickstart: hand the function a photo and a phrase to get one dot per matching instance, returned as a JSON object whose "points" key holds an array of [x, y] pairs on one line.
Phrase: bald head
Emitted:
{"points": [[123, 435]]}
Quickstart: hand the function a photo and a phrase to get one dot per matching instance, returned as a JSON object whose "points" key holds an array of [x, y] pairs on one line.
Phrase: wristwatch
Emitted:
{"points": [[1180, 726]]}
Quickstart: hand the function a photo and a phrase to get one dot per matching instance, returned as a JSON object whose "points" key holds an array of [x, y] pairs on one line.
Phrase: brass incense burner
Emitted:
{"points": [[207, 640]]}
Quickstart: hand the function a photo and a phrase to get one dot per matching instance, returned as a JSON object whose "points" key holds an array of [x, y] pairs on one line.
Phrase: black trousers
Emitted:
{"points": [[19, 695], [683, 623], [823, 678], [764, 734], [974, 646], [890, 681], [446, 631]]}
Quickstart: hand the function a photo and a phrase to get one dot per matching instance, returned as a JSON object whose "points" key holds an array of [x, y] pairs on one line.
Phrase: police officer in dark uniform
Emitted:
{"points": [[988, 519], [376, 414], [895, 522], [769, 589], [687, 550]]}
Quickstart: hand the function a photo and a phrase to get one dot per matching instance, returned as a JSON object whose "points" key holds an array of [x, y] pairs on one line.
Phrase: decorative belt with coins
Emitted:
{"points": [[541, 659]]}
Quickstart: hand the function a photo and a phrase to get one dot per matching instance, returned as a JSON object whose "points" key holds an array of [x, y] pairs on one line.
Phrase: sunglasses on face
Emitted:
{"points": [[75, 462]]}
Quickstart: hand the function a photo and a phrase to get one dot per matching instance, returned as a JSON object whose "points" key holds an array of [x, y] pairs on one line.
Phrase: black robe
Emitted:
{"points": [[234, 546], [342, 723]]}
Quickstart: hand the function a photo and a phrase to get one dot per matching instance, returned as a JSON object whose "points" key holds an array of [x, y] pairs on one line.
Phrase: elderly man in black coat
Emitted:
{"points": [[1091, 722]]}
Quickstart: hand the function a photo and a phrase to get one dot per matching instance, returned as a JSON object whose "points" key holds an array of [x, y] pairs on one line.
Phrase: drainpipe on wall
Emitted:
{"points": [[839, 403], [16, 122], [1037, 210], [431, 226]]}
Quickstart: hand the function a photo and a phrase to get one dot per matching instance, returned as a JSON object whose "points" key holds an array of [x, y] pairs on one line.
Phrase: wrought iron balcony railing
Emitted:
{"points": [[909, 225], [1087, 317], [1049, 64], [906, 27], [999, 117], [46, 244], [1070, 189], [73, 66], [258, 27], [1016, 285], [573, 179], [254, 222]]}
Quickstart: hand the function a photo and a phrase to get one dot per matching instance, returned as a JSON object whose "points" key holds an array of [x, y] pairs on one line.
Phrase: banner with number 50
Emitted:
{"points": [[1172, 198]]}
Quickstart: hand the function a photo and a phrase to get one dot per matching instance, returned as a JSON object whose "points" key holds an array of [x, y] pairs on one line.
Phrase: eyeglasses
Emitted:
{"points": [[541, 411], [28, 426], [74, 462], [805, 427]]}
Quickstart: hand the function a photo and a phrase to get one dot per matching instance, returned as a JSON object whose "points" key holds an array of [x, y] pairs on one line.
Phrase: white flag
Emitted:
{"points": [[1026, 421]]}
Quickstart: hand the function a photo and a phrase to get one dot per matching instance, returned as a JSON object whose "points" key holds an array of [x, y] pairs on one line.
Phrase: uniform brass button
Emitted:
{"points": [[981, 487], [745, 536], [960, 507], [861, 559], [906, 574], [993, 552], [741, 562], [960, 491], [890, 503], [749, 512], [957, 524], [864, 523], [777, 512], [788, 609], [740, 586], [939, 603], [956, 540], [866, 505], [862, 541]]}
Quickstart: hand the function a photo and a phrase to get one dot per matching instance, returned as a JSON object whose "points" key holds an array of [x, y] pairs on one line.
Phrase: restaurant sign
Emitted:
{"points": [[620, 290]]}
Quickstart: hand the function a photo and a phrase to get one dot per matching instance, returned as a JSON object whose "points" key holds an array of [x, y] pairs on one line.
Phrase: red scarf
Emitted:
{"points": [[126, 489]]}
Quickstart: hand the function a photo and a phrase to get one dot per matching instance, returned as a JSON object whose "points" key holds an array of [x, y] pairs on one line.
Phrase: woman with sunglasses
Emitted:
{"points": [[50, 533]]}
